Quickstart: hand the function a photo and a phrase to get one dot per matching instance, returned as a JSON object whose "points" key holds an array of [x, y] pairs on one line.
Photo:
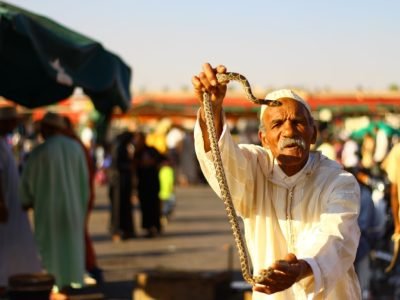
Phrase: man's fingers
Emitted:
{"points": [[283, 276], [270, 288], [285, 264], [209, 73], [205, 81], [208, 77], [276, 283], [221, 69], [290, 257], [281, 265], [262, 289], [196, 83]]}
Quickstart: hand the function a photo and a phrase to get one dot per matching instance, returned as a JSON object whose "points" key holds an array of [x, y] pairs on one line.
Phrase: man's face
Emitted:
{"points": [[289, 133]]}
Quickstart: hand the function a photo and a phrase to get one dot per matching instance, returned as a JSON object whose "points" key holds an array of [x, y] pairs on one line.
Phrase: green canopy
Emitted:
{"points": [[389, 130], [42, 62]]}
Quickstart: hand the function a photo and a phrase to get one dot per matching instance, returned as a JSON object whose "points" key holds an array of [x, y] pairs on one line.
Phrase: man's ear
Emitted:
{"points": [[263, 139]]}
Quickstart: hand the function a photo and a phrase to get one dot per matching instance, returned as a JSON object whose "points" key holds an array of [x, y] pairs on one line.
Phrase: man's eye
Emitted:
{"points": [[299, 122]]}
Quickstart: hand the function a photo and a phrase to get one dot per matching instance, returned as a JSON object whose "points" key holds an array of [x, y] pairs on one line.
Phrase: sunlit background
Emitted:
{"points": [[343, 57], [308, 44]]}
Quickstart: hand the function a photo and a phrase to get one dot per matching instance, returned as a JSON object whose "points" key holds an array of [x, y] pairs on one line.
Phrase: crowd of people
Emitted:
{"points": [[370, 158], [134, 171], [56, 179]]}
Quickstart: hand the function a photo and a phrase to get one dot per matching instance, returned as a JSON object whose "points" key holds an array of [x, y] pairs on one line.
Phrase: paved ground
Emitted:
{"points": [[198, 238]]}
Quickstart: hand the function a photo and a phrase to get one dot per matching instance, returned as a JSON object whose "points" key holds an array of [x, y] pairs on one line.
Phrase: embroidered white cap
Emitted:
{"points": [[8, 113], [284, 93]]}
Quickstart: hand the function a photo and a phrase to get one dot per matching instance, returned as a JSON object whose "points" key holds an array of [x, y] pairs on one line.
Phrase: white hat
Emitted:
{"points": [[55, 120], [8, 113], [284, 93]]}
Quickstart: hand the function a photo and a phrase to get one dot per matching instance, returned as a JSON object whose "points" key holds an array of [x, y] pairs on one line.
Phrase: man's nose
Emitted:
{"points": [[288, 129]]}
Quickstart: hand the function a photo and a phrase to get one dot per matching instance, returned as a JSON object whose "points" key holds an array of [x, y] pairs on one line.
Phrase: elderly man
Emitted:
{"points": [[55, 184], [18, 253], [299, 208]]}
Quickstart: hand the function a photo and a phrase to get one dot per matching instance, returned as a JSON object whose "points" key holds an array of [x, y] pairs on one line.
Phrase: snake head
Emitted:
{"points": [[224, 78]]}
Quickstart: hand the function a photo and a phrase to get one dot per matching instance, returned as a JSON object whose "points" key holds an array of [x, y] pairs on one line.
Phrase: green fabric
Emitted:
{"points": [[360, 133], [42, 62], [55, 181]]}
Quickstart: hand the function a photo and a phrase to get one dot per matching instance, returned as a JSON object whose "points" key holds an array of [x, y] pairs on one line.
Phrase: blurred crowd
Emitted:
{"points": [[52, 167], [141, 167], [371, 154]]}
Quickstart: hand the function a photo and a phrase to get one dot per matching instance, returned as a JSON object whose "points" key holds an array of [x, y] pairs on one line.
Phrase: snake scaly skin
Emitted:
{"points": [[232, 76], [220, 174]]}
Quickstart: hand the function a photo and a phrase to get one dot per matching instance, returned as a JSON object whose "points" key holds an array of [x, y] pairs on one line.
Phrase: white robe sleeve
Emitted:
{"points": [[240, 163]]}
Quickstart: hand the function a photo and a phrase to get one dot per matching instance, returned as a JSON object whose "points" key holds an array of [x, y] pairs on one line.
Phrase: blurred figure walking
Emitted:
{"points": [[167, 190], [147, 163], [391, 165], [55, 184], [90, 256], [368, 222], [120, 188], [18, 253]]}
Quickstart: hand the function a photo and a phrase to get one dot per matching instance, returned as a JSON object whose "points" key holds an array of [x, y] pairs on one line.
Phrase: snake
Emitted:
{"points": [[221, 177]]}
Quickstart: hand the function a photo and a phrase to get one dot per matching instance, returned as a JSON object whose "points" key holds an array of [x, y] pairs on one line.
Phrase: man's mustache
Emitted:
{"points": [[283, 143]]}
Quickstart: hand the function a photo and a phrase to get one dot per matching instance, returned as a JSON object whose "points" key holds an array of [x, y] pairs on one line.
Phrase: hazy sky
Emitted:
{"points": [[337, 44]]}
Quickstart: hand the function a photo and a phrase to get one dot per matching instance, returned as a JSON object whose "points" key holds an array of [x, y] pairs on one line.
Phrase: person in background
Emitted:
{"points": [[88, 135], [367, 151], [55, 184], [326, 147], [382, 145], [157, 138], [167, 189], [174, 139], [350, 153], [146, 165], [391, 165], [120, 188], [90, 256], [18, 252], [189, 167], [299, 208], [367, 220]]}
